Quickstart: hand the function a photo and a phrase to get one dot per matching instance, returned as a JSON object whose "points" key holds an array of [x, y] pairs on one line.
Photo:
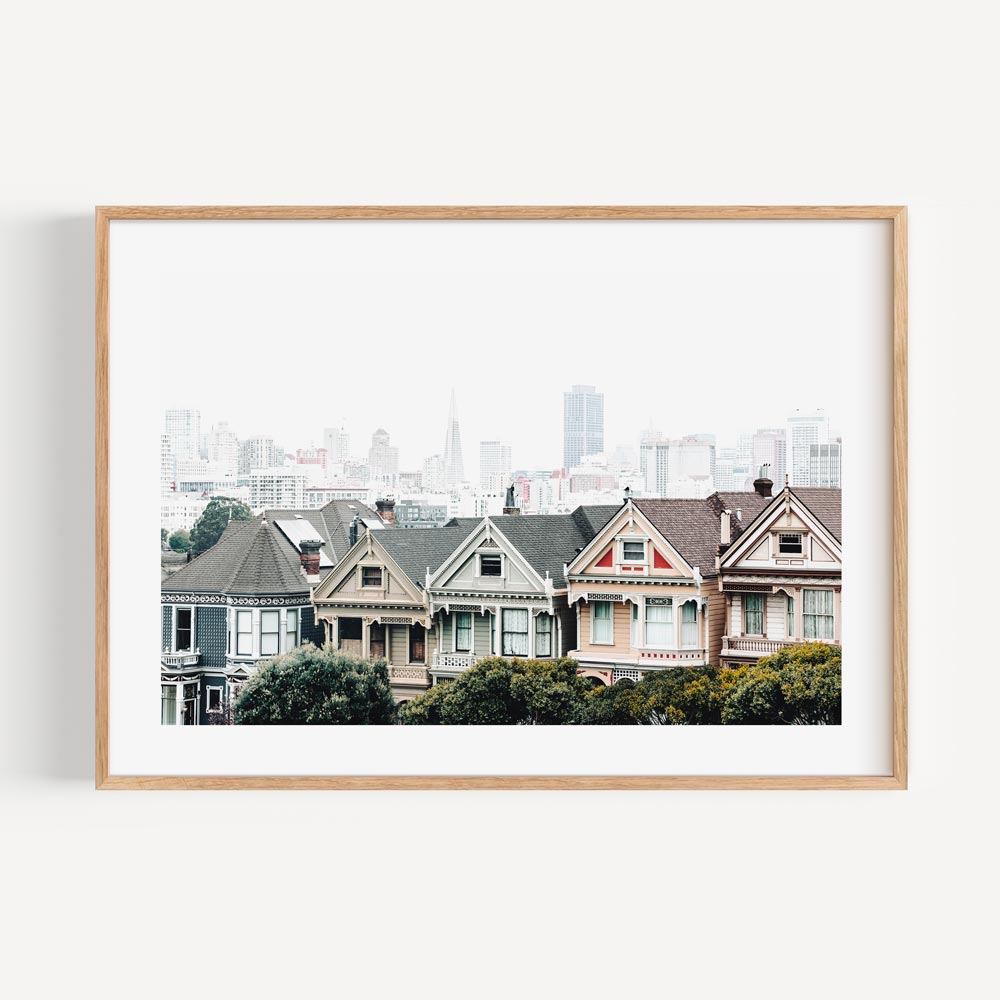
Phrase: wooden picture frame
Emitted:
{"points": [[895, 214]]}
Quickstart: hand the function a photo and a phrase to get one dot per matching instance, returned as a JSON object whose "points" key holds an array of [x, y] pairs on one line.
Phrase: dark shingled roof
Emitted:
{"points": [[255, 557], [691, 526], [417, 549], [749, 504], [824, 504], [549, 541]]}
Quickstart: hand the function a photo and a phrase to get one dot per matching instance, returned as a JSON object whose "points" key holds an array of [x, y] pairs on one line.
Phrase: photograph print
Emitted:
{"points": [[498, 474]]}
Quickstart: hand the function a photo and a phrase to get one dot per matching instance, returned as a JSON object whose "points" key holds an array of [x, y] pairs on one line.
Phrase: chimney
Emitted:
{"points": [[727, 529], [309, 557], [352, 531], [510, 504], [763, 487], [386, 510]]}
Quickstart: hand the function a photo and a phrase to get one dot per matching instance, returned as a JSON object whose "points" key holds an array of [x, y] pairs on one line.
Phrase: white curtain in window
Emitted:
{"points": [[604, 630], [291, 629], [270, 626], [659, 626], [463, 632], [515, 632], [689, 625], [543, 635], [817, 614], [753, 614], [168, 705], [244, 633]]}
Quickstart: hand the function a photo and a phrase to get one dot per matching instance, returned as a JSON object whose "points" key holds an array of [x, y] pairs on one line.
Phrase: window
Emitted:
{"points": [[659, 625], [371, 576], [244, 633], [543, 635], [463, 632], [790, 544], [689, 625], [753, 614], [490, 566], [418, 643], [213, 699], [633, 551], [292, 629], [514, 632], [270, 628], [602, 624], [168, 705], [184, 632], [791, 617], [817, 614]]}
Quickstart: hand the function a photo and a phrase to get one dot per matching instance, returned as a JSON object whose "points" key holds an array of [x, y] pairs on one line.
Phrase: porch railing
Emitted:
{"points": [[453, 661], [181, 659]]}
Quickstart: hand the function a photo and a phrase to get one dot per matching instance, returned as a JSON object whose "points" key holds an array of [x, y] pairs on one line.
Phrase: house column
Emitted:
{"points": [[531, 634], [678, 615], [366, 640], [836, 615]]}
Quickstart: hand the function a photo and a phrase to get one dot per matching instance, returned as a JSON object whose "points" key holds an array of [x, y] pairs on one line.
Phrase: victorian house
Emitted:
{"points": [[781, 577], [433, 602], [645, 589], [245, 599]]}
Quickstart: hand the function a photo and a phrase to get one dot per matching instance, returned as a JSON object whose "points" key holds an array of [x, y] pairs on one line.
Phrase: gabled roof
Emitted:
{"points": [[692, 527], [547, 542], [255, 556], [824, 504], [417, 550]]}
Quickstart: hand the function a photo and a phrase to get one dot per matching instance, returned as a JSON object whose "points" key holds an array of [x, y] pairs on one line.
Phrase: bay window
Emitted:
{"points": [[817, 615], [602, 623], [660, 623], [184, 630], [463, 632], [270, 629], [689, 625], [514, 632], [292, 629], [244, 633], [168, 705], [543, 635], [753, 614]]}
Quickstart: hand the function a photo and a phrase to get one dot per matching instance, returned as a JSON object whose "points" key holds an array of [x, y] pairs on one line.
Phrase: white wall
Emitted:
{"points": [[705, 894]]}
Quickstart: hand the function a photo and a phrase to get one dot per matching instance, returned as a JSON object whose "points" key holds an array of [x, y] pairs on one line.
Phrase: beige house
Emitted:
{"points": [[781, 579]]}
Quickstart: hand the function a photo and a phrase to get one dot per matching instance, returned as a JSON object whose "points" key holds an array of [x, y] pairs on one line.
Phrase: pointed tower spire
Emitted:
{"points": [[454, 470]]}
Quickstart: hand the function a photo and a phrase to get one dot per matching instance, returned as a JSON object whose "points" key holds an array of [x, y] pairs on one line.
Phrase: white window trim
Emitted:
{"points": [[454, 632], [634, 539], [285, 630], [803, 543], [221, 688], [236, 634], [194, 634], [593, 618], [494, 553], [533, 629], [361, 576]]}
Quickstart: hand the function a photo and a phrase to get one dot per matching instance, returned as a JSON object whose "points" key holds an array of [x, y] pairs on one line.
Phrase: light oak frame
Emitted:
{"points": [[898, 778]]}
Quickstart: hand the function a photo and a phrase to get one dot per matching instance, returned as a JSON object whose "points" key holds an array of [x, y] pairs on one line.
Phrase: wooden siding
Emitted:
{"points": [[622, 644], [481, 629], [716, 624], [399, 644]]}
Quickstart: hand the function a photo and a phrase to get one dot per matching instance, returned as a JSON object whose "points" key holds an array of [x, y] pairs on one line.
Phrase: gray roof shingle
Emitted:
{"points": [[825, 504], [417, 549]]}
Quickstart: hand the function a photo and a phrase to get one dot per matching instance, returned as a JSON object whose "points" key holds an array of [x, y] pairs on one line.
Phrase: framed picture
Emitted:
{"points": [[501, 497]]}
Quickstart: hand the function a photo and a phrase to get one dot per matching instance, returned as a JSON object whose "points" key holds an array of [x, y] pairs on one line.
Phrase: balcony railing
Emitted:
{"points": [[409, 675], [453, 661], [759, 646], [180, 659]]}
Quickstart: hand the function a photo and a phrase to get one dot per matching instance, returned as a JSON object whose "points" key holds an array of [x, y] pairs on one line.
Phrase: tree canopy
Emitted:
{"points": [[180, 540], [502, 692], [314, 686], [209, 527]]}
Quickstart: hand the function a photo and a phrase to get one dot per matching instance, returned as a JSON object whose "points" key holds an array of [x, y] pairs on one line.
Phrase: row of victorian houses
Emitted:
{"points": [[645, 585]]}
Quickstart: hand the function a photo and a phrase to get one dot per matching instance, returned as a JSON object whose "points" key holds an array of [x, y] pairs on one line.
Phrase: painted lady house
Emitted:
{"points": [[645, 589], [781, 578], [245, 599], [374, 604], [503, 590]]}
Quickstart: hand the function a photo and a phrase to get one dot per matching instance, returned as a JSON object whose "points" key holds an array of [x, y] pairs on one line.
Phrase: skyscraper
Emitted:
{"points": [[583, 424], [222, 448], [383, 458], [337, 442], [454, 469], [494, 465], [184, 429], [804, 430], [824, 464], [677, 467], [770, 449]]}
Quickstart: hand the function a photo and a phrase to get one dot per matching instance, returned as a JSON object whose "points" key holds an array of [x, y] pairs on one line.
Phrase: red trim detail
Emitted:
{"points": [[659, 562], [605, 560]]}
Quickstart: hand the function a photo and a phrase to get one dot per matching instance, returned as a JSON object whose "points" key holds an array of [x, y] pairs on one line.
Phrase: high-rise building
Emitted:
{"points": [[275, 489], [433, 477], [168, 464], [583, 424], [454, 469], [770, 449], [677, 467], [259, 453], [337, 442], [804, 430], [222, 448], [184, 429], [824, 465], [383, 458], [494, 465]]}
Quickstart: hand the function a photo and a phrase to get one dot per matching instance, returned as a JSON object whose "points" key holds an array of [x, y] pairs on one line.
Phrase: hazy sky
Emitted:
{"points": [[693, 327]]}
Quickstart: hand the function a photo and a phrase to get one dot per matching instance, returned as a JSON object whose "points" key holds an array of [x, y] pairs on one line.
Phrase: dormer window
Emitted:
{"points": [[633, 552], [490, 566], [790, 545], [371, 576]]}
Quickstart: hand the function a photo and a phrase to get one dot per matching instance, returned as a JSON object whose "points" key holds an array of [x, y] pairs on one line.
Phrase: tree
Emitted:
{"points": [[180, 540], [163, 538], [209, 527], [313, 686], [502, 692]]}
